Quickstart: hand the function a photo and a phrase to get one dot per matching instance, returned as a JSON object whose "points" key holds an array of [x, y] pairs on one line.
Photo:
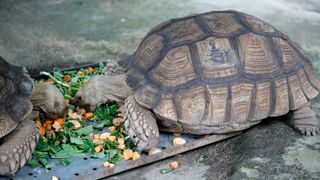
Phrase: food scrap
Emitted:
{"points": [[154, 151], [178, 141], [172, 166]]}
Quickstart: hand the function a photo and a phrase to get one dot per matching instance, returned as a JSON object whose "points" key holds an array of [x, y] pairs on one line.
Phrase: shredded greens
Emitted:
{"points": [[65, 142]]}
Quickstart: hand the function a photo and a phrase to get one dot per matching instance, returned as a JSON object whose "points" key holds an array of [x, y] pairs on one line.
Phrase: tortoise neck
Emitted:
{"points": [[118, 88]]}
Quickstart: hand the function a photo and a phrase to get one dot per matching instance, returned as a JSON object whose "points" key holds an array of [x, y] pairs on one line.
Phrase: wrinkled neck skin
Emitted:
{"points": [[116, 88], [99, 89]]}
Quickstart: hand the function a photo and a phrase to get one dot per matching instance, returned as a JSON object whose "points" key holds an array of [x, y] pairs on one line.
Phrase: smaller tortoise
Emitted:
{"points": [[18, 133], [212, 73], [48, 99]]}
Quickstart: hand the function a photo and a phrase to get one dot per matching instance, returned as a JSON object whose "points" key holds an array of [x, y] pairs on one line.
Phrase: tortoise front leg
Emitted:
{"points": [[305, 121], [141, 125]]}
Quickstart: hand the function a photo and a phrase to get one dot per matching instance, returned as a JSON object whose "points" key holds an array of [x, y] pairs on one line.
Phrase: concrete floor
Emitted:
{"points": [[41, 34]]}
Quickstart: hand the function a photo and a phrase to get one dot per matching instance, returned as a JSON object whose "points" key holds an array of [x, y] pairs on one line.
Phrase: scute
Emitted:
{"points": [[219, 72], [149, 51], [217, 58], [223, 24], [175, 68], [182, 31], [256, 55]]}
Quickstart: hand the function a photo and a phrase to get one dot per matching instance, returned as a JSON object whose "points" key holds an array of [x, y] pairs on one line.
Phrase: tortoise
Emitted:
{"points": [[48, 99], [18, 133], [212, 73]]}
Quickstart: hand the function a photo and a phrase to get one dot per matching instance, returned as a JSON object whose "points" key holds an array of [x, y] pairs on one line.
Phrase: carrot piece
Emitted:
{"points": [[136, 156], [50, 80], [81, 73], [49, 126], [121, 140], [112, 128], [127, 154], [90, 69], [67, 78], [98, 148], [42, 130], [177, 134], [174, 165], [121, 146], [49, 121], [89, 115], [112, 138], [96, 136], [60, 121]]}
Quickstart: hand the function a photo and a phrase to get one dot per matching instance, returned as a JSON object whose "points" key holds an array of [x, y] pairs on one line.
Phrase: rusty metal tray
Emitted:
{"points": [[83, 167]]}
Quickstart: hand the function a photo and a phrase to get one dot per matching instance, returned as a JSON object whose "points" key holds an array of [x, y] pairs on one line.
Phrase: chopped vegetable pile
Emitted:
{"points": [[99, 134]]}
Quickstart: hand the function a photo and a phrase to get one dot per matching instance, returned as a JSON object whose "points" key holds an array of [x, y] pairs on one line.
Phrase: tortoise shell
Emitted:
{"points": [[219, 72], [15, 90]]}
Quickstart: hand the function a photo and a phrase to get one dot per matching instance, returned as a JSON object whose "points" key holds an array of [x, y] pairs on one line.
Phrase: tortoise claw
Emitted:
{"points": [[308, 131]]}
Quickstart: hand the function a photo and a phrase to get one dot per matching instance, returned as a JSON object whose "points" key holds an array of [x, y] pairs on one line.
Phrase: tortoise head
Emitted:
{"points": [[99, 89]]}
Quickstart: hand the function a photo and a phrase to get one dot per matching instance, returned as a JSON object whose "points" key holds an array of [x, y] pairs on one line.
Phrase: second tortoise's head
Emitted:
{"points": [[99, 89]]}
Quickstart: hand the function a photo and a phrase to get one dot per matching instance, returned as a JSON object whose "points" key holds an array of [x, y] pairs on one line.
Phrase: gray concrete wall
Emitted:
{"points": [[40, 33]]}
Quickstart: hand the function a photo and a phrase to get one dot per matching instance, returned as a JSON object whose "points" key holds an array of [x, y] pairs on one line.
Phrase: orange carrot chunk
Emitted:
{"points": [[50, 80], [67, 78], [89, 115], [81, 73], [42, 130]]}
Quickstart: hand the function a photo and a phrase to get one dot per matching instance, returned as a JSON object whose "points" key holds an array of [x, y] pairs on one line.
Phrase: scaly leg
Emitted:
{"points": [[141, 125], [305, 121]]}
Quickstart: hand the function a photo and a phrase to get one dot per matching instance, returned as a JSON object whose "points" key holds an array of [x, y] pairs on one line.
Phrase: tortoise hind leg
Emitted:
{"points": [[305, 121], [141, 125], [16, 148]]}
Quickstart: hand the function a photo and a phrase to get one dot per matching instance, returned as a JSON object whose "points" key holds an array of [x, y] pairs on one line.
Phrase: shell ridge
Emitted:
{"points": [[203, 25], [233, 41], [274, 53], [196, 64], [243, 22], [253, 101], [177, 107], [307, 61], [228, 111], [301, 86], [272, 100], [289, 93], [308, 78]]}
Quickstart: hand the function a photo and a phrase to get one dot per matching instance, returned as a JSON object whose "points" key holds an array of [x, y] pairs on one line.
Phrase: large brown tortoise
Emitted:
{"points": [[18, 133], [18, 97], [211, 73]]}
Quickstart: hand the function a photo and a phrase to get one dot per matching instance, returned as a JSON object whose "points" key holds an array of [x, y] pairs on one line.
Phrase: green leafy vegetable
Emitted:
{"points": [[85, 130], [76, 140], [67, 142], [201, 158]]}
